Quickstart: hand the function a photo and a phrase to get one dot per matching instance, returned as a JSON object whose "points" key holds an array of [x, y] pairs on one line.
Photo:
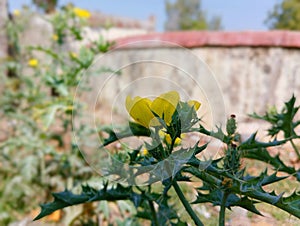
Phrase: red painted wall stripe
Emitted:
{"points": [[193, 39]]}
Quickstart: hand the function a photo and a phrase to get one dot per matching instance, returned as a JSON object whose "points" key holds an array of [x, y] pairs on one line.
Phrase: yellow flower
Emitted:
{"points": [[165, 105], [144, 152], [16, 12], [82, 13], [33, 62], [140, 109], [55, 37], [169, 140], [73, 55]]}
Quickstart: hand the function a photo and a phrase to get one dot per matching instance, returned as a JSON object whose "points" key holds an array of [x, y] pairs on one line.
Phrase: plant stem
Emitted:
{"points": [[160, 146], [172, 145], [155, 221], [222, 210], [186, 205], [295, 148]]}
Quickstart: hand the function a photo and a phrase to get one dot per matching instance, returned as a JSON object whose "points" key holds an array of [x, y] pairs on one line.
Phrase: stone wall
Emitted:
{"points": [[254, 70], [230, 72]]}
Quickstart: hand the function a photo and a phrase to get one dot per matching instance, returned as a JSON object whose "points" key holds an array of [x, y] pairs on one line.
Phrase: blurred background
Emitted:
{"points": [[230, 15], [252, 48]]}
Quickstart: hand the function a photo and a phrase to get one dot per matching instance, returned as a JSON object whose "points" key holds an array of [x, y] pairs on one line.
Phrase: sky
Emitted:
{"points": [[236, 15]]}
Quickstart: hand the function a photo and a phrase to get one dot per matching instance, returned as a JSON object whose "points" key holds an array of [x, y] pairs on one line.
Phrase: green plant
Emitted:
{"points": [[37, 154], [225, 181], [189, 15], [284, 15]]}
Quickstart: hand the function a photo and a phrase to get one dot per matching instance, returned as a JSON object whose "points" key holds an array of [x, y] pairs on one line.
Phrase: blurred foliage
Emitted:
{"points": [[284, 16], [37, 153], [48, 6], [189, 15]]}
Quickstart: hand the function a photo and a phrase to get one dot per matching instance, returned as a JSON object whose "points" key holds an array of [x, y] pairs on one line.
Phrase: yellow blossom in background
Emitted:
{"points": [[73, 55], [16, 12], [82, 13], [55, 37], [36, 113], [33, 62], [144, 152]]}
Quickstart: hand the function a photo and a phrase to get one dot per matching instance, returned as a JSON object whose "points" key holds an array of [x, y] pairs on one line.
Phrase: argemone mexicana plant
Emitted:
{"points": [[225, 181]]}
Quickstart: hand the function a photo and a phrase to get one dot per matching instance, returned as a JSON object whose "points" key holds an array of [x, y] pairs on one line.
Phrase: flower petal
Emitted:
{"points": [[194, 103], [139, 110], [165, 105]]}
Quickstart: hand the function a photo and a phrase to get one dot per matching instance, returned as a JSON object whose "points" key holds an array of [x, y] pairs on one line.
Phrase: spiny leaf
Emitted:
{"points": [[251, 143], [262, 180], [219, 134], [210, 166], [57, 204], [281, 121], [88, 194], [247, 204], [291, 206], [199, 149], [262, 154], [215, 197], [293, 199], [134, 129]]}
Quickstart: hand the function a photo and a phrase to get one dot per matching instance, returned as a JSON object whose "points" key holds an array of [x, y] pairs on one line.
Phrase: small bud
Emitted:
{"points": [[231, 125], [144, 152], [234, 145]]}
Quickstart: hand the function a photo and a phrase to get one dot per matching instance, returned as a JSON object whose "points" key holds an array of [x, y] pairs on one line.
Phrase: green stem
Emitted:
{"points": [[186, 205], [160, 146], [222, 210], [295, 148], [172, 145], [153, 213]]}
